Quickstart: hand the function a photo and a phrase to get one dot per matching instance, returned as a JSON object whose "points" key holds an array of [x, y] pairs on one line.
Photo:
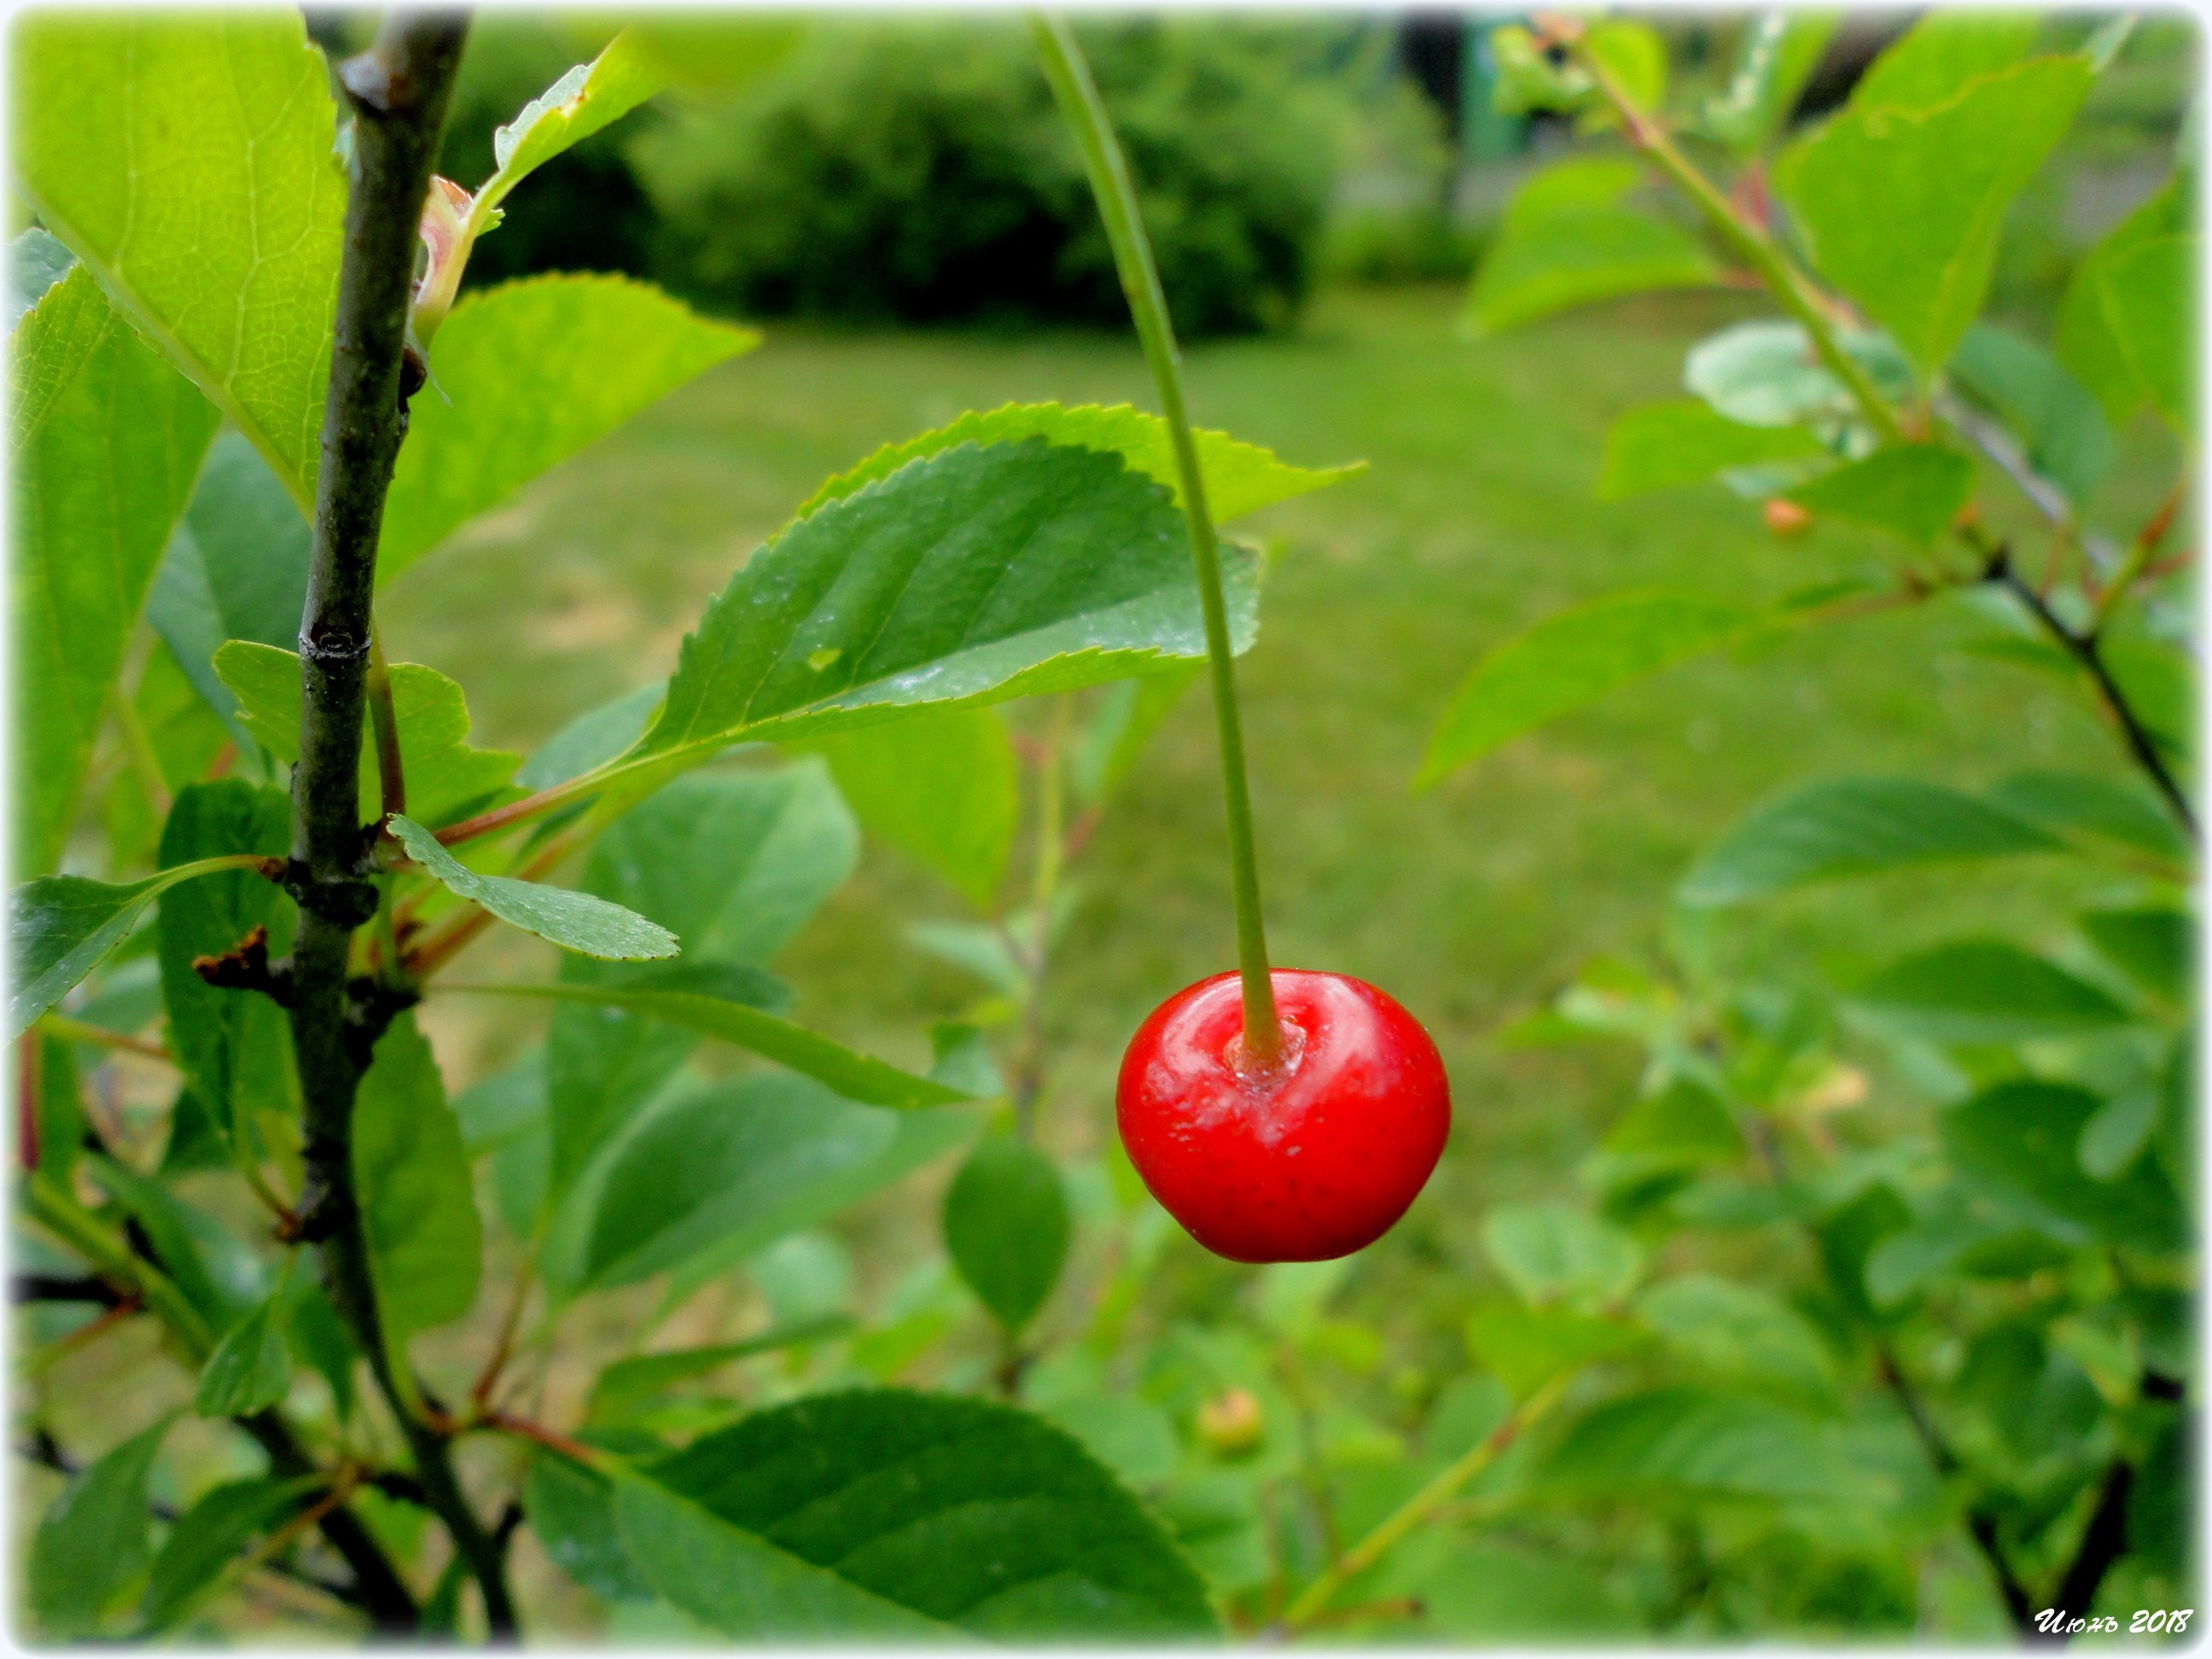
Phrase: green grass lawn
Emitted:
{"points": [[1471, 902]]}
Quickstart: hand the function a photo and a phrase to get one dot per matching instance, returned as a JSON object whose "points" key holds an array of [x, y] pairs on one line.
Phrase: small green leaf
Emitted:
{"points": [[418, 1205], [1566, 240], [894, 1514], [1240, 478], [940, 786], [587, 100], [62, 927], [2080, 806], [2155, 947], [527, 373], [208, 1538], [193, 168], [2098, 346], [2022, 1137], [1682, 1441], [1526, 1347], [1665, 446], [1985, 991], [572, 1511], [1738, 1332], [733, 1166], [2144, 295], [1682, 1126], [1005, 1228], [1573, 659], [974, 575], [190, 1244], [1482, 1592], [1767, 373], [975, 947], [251, 1368], [1940, 53], [106, 439], [1902, 208], [1124, 721], [592, 739], [1781, 50], [628, 1384], [92, 1541], [1550, 1253], [2060, 425], [575, 921], [1841, 827], [1632, 56], [447, 775], [1911, 490]]}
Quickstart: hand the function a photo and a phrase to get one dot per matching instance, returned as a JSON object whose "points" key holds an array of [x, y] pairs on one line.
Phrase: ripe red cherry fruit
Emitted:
{"points": [[1311, 1160]]}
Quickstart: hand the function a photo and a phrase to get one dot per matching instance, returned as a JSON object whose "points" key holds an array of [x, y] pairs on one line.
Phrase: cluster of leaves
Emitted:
{"points": [[173, 345]]}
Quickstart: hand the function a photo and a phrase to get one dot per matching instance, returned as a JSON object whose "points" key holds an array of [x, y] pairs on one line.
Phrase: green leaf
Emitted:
{"points": [[575, 921], [447, 776], [193, 167], [980, 948], [1911, 490], [92, 1541], [1573, 659], [1005, 1228], [2082, 807], [893, 1514], [1481, 1592], [2142, 297], [251, 1368], [971, 576], [236, 568], [1767, 373], [593, 737], [2155, 947], [1682, 1126], [188, 1243], [1985, 991], [629, 1384], [1781, 50], [527, 375], [62, 927], [418, 1207], [2061, 430], [1550, 1253], [210, 1537], [1134, 1439], [1941, 52], [1122, 724], [1737, 1332], [1633, 56], [2022, 1137], [587, 100], [1665, 446], [1566, 240], [235, 1048], [2098, 346], [1902, 208], [732, 1166], [1841, 827], [1240, 478], [108, 437], [941, 787], [1687, 1442], [572, 1511], [1526, 1347]]}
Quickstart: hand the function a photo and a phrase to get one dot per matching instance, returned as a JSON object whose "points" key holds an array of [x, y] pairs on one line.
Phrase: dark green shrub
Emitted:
{"points": [[917, 173]]}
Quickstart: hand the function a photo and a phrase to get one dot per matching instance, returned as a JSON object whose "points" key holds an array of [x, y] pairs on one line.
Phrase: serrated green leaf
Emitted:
{"points": [[1941, 52], [783, 1527], [941, 787], [107, 438], [628, 1384], [447, 776], [251, 1368], [192, 164], [527, 373], [1901, 208], [234, 1046], [2089, 337], [730, 1167], [1573, 659], [1911, 490], [2022, 1137], [588, 98], [1566, 240], [1005, 1228], [1985, 991], [2064, 432], [971, 576], [418, 1207], [1550, 1253], [2078, 804], [1841, 827], [2155, 947], [1240, 478], [208, 1538], [1781, 50], [575, 921], [62, 927], [1689, 1442], [92, 1541], [235, 568], [1665, 446]]}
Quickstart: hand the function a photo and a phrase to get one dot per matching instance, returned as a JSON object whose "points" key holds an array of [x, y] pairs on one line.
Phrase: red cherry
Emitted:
{"points": [[1311, 1161]]}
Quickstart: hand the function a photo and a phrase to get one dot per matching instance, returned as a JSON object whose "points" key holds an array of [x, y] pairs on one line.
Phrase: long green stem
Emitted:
{"points": [[1116, 195]]}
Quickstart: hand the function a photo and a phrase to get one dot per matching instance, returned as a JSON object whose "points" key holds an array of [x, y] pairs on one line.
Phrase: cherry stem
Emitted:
{"points": [[1109, 171]]}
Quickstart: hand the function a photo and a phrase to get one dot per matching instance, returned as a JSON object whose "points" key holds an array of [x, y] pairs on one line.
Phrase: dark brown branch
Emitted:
{"points": [[65, 1287], [399, 90], [2104, 1540]]}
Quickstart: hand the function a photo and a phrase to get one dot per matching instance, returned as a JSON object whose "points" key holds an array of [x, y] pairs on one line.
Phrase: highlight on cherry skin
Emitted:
{"points": [[1307, 1161]]}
